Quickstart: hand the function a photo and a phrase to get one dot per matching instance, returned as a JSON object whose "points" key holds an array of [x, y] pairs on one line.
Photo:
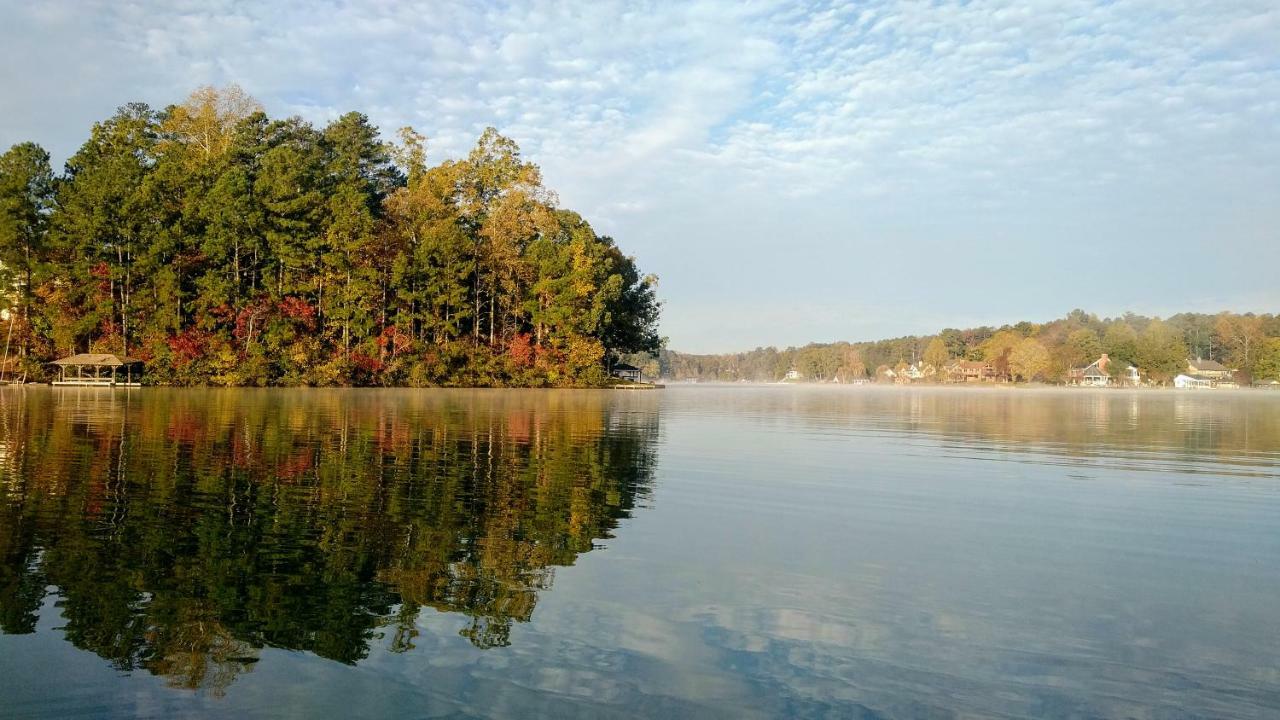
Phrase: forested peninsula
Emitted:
{"points": [[223, 247]]}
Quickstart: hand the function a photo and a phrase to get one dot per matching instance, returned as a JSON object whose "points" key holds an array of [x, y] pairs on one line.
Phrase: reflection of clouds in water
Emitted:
{"points": [[806, 553], [951, 588], [800, 664]]}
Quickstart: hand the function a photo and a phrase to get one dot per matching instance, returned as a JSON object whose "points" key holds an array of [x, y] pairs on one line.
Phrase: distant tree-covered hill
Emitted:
{"points": [[1025, 351]]}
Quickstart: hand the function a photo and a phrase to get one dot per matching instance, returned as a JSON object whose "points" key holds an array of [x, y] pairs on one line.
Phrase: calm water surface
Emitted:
{"points": [[697, 552]]}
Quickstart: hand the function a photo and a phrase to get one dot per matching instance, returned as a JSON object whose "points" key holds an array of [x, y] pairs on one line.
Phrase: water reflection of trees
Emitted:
{"points": [[184, 531], [1229, 433]]}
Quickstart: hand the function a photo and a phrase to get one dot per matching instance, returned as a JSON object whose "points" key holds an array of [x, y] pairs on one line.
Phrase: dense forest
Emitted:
{"points": [[224, 247], [1026, 351]]}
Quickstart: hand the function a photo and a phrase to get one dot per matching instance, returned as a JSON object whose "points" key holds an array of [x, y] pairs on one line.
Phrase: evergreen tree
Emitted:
{"points": [[26, 199]]}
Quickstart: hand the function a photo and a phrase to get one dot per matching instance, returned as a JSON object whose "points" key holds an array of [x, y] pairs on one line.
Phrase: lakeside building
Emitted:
{"points": [[99, 369], [792, 374], [970, 371], [1191, 382], [918, 371], [630, 373], [1208, 369], [1095, 374], [1211, 373]]}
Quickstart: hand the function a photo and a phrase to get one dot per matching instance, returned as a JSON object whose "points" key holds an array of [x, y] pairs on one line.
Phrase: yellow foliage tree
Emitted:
{"points": [[1029, 359], [207, 119]]}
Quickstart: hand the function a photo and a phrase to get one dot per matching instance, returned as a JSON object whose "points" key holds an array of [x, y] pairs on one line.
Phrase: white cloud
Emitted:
{"points": [[666, 123]]}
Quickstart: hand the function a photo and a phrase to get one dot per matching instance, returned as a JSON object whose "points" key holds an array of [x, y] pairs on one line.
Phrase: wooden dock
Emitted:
{"points": [[91, 382]]}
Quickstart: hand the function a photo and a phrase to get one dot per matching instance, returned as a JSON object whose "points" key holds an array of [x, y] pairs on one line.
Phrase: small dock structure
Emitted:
{"points": [[99, 370], [630, 373], [629, 377]]}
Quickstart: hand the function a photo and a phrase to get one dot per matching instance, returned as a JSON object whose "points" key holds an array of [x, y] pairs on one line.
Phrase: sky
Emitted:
{"points": [[792, 172]]}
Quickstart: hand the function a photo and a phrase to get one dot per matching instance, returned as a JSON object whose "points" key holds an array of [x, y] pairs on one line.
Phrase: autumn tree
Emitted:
{"points": [[224, 247], [1029, 359], [852, 366], [937, 354], [207, 120], [1240, 335], [996, 350]]}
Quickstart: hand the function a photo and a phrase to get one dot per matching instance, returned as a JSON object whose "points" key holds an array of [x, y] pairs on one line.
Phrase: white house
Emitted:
{"points": [[1095, 375], [919, 371], [1186, 381]]}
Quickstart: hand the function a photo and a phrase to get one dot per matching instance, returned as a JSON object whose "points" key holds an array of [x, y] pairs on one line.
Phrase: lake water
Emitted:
{"points": [[726, 552]]}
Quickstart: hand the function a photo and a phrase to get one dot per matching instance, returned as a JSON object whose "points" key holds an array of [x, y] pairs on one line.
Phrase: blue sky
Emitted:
{"points": [[793, 172]]}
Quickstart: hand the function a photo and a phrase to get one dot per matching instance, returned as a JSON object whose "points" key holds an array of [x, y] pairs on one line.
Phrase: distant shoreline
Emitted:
{"points": [[960, 387]]}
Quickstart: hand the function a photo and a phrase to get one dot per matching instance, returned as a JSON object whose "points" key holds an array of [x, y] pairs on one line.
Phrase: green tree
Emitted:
{"points": [[26, 199], [1082, 347], [103, 218], [1267, 366], [955, 342], [1160, 353], [1120, 342]]}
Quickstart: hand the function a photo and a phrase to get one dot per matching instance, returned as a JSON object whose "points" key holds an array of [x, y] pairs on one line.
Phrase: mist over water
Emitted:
{"points": [[700, 551]]}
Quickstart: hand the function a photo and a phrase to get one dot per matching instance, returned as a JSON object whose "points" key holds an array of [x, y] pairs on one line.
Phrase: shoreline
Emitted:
{"points": [[961, 387], [683, 386]]}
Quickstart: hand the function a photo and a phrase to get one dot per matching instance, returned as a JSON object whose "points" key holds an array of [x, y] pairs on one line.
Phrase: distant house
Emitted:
{"points": [[630, 373], [792, 374], [1092, 375], [1096, 374], [919, 371], [1187, 381], [1208, 369], [1267, 384], [969, 371], [1214, 373]]}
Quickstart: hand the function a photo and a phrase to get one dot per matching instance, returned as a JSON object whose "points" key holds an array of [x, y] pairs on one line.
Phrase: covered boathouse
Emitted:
{"points": [[630, 373], [99, 369]]}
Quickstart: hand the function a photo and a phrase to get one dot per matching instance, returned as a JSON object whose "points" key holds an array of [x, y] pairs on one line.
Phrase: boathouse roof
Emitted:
{"points": [[98, 359]]}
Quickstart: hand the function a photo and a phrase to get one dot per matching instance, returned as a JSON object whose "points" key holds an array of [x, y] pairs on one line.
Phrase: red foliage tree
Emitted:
{"points": [[188, 345], [521, 349]]}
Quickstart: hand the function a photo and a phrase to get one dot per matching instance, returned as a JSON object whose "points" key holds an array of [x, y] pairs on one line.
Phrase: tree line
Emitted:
{"points": [[1026, 351], [224, 247]]}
